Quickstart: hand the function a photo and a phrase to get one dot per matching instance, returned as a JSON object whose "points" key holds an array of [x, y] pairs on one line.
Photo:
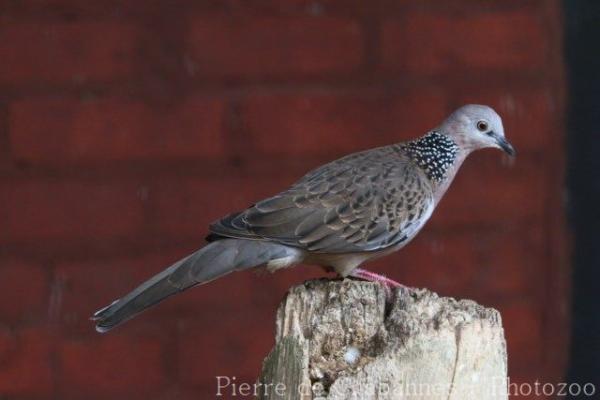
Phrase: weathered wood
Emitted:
{"points": [[340, 340]]}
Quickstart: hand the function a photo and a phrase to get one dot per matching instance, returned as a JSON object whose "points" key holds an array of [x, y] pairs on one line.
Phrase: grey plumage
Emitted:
{"points": [[349, 211], [363, 202], [210, 262]]}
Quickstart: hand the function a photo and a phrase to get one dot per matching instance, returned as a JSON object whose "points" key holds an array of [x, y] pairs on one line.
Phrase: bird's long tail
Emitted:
{"points": [[210, 262]]}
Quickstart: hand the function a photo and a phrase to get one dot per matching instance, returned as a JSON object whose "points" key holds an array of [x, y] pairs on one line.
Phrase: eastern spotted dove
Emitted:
{"points": [[340, 215]]}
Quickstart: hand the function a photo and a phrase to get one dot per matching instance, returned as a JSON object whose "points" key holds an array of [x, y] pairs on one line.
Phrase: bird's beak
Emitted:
{"points": [[503, 144]]}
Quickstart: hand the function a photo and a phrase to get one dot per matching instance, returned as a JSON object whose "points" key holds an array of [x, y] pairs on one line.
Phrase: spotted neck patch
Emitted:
{"points": [[434, 153]]}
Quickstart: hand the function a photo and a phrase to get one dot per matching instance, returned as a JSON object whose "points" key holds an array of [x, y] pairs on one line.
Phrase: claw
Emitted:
{"points": [[387, 283]]}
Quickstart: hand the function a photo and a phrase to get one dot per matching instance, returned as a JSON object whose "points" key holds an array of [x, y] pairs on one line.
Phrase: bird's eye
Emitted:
{"points": [[482, 126]]}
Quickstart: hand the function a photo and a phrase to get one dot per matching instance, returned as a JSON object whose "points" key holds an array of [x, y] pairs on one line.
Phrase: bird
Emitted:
{"points": [[352, 210]]}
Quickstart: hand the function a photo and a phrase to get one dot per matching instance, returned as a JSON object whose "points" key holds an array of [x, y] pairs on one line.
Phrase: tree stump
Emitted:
{"points": [[340, 340]]}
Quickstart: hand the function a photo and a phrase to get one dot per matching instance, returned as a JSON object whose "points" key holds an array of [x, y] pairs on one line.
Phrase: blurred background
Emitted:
{"points": [[126, 127]]}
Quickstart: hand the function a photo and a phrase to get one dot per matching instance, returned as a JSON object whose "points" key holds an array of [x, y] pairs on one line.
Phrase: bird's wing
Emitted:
{"points": [[363, 202]]}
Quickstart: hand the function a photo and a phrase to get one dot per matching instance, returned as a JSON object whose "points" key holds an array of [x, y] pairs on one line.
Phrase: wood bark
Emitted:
{"points": [[343, 340]]}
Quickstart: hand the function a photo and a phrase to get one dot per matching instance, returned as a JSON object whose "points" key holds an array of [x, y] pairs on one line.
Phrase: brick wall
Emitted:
{"points": [[127, 126]]}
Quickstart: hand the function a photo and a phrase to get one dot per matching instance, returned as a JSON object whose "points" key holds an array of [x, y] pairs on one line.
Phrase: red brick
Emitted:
{"points": [[217, 338], [438, 42], [297, 124], [26, 368], [111, 366], [58, 130], [437, 261], [487, 191], [269, 46], [24, 292], [34, 210], [511, 260], [66, 52], [291, 7], [133, 7], [188, 206], [469, 262], [73, 8], [522, 321], [487, 241]]}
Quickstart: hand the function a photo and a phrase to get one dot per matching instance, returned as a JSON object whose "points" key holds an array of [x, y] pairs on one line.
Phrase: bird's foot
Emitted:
{"points": [[388, 284]]}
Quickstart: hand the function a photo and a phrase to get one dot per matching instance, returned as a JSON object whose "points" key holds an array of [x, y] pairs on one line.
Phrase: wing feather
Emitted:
{"points": [[363, 202]]}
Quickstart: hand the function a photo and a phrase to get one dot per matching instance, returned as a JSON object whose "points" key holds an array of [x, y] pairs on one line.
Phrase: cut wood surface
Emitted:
{"points": [[342, 340]]}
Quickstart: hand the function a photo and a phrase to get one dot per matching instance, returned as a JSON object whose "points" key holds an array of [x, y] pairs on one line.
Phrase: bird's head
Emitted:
{"points": [[475, 127]]}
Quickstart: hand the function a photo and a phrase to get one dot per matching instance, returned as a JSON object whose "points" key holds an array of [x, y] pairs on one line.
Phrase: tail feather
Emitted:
{"points": [[210, 262]]}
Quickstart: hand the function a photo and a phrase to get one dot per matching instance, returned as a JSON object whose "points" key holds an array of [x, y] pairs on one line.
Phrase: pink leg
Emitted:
{"points": [[387, 283]]}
